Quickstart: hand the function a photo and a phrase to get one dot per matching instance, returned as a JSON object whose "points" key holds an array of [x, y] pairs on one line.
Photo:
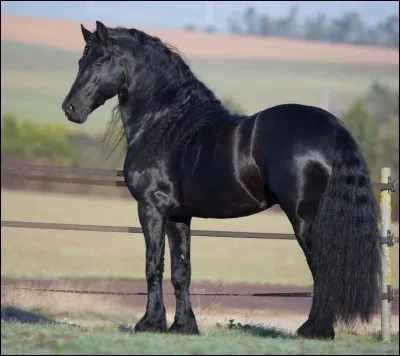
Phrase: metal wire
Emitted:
{"points": [[389, 296], [295, 295]]}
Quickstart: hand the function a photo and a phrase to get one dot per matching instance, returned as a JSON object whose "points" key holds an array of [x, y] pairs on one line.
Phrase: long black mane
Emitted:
{"points": [[169, 97]]}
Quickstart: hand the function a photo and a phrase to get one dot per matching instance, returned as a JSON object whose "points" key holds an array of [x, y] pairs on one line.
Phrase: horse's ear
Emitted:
{"points": [[87, 35], [102, 33]]}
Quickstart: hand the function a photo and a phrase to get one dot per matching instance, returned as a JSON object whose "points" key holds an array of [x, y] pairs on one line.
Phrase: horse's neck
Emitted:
{"points": [[132, 128], [137, 122]]}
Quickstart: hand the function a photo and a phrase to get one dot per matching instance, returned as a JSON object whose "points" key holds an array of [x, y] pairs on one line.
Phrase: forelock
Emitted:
{"points": [[86, 50]]}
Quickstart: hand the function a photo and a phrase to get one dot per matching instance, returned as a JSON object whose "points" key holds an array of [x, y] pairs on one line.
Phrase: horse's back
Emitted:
{"points": [[293, 140], [297, 124]]}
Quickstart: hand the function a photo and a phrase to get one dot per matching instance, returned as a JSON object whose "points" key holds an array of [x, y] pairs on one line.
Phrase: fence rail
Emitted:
{"points": [[90, 175], [83, 176], [138, 230], [21, 170]]}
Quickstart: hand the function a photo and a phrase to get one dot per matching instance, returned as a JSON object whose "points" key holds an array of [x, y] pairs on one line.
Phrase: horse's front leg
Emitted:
{"points": [[153, 222], [179, 244]]}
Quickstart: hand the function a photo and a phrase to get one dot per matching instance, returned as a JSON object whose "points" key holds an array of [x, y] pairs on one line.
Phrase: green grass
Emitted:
{"points": [[54, 253], [17, 338], [36, 79], [258, 84]]}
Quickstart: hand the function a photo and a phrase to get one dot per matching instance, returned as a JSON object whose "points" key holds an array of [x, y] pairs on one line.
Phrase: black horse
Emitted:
{"points": [[188, 156]]}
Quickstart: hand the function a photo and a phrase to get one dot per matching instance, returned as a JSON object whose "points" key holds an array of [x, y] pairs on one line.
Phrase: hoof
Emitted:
{"points": [[150, 325], [308, 331], [189, 328]]}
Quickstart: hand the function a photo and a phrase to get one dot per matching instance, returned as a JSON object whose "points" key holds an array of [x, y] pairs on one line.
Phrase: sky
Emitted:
{"points": [[177, 14]]}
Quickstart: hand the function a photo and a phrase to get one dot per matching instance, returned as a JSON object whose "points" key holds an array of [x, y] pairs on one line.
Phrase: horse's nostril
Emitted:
{"points": [[70, 109]]}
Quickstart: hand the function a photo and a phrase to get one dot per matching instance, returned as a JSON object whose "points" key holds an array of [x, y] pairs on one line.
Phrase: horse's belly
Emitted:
{"points": [[224, 196], [224, 212]]}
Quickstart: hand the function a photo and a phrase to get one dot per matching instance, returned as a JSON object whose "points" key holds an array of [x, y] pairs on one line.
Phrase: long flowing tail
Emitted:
{"points": [[347, 240]]}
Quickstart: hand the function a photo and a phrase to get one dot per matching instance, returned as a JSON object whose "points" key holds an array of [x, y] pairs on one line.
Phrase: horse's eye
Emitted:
{"points": [[98, 63]]}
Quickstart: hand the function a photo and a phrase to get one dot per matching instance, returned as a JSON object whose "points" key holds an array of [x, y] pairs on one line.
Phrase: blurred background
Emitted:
{"points": [[339, 55]]}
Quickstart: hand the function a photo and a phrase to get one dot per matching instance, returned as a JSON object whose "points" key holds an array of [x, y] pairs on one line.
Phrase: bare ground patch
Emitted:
{"points": [[102, 310]]}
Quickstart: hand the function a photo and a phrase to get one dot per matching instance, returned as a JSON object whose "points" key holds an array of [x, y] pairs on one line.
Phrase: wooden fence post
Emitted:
{"points": [[386, 210]]}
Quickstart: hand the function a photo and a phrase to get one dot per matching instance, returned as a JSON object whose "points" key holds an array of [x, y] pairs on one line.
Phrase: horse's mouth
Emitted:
{"points": [[77, 119]]}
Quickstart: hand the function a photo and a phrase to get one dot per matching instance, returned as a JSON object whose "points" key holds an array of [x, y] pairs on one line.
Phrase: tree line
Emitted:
{"points": [[373, 120], [349, 28]]}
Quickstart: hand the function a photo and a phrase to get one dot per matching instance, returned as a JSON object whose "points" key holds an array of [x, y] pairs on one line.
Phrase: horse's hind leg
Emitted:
{"points": [[179, 244], [301, 213], [301, 226]]}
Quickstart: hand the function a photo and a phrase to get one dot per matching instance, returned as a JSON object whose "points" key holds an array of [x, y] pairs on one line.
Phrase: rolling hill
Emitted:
{"points": [[39, 62]]}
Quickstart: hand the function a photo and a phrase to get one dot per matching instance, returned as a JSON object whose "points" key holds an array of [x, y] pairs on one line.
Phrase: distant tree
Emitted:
{"points": [[371, 36], [250, 20], [354, 28], [337, 31], [348, 28], [377, 136], [210, 29], [265, 25], [189, 28], [232, 106], [316, 29], [281, 27], [382, 102], [292, 24], [388, 154], [389, 31], [361, 125], [388, 149], [233, 25]]}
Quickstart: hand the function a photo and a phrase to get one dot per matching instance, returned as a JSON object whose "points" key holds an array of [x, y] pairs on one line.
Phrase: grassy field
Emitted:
{"points": [[53, 339], [36, 79], [52, 253], [103, 320]]}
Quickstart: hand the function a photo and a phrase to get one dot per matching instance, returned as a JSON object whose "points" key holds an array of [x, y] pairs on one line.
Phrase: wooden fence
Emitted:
{"points": [[104, 177]]}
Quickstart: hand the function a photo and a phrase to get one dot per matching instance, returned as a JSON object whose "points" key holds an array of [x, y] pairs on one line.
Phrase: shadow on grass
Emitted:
{"points": [[18, 315], [13, 314], [259, 330], [126, 329]]}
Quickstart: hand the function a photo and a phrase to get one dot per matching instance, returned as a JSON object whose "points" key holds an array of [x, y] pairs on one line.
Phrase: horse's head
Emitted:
{"points": [[100, 76]]}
